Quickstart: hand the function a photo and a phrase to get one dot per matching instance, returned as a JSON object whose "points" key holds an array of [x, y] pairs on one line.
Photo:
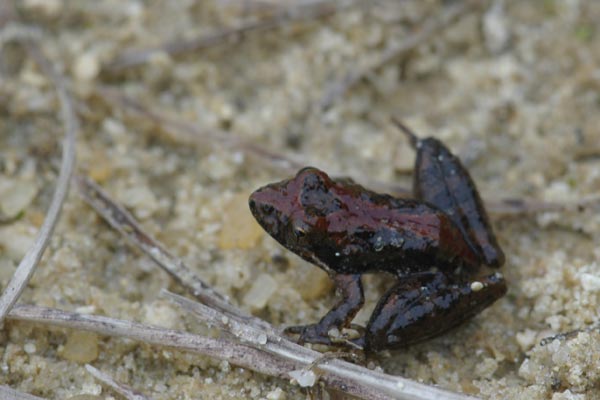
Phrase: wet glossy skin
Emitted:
{"points": [[433, 245]]}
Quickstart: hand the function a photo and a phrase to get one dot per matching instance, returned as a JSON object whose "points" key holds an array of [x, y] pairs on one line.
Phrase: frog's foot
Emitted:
{"points": [[352, 337], [327, 330], [313, 333]]}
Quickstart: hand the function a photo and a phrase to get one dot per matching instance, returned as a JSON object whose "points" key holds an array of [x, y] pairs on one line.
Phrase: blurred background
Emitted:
{"points": [[186, 107]]}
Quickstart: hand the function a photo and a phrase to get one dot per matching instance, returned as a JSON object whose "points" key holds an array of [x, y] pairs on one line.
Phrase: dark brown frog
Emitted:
{"points": [[433, 245]]}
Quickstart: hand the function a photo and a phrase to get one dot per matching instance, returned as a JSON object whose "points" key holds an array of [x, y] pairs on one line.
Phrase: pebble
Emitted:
{"points": [[86, 67], [81, 347], [239, 229], [260, 292]]}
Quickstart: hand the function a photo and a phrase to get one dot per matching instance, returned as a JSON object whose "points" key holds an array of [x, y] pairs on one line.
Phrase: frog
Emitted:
{"points": [[435, 245]]}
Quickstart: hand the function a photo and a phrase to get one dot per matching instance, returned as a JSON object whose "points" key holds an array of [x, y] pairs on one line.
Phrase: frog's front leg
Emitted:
{"points": [[349, 288], [424, 306]]}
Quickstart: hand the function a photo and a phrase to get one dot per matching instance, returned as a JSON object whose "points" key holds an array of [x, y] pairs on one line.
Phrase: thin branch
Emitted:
{"points": [[516, 207], [7, 393], [370, 384], [28, 264], [569, 334], [428, 29], [125, 223], [221, 349], [250, 331], [186, 133], [297, 12], [120, 388], [337, 374]]}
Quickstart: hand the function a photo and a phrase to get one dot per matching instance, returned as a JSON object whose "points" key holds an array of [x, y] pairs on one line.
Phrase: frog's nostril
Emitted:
{"points": [[268, 209], [252, 204]]}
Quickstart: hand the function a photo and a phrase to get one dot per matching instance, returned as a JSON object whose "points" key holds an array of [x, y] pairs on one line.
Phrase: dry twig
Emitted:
{"points": [[186, 133], [304, 10], [120, 388], [221, 349], [338, 374], [7, 393], [124, 222], [269, 347], [429, 28], [335, 373], [28, 264]]}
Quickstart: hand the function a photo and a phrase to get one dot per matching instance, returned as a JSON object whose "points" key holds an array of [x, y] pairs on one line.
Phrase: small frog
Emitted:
{"points": [[433, 244]]}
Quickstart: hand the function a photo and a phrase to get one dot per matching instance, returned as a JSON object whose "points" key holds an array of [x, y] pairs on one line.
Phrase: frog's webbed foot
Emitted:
{"points": [[319, 334], [328, 329], [313, 333]]}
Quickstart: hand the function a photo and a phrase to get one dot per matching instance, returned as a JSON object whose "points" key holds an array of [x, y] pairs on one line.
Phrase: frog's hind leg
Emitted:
{"points": [[422, 307], [441, 180], [349, 288]]}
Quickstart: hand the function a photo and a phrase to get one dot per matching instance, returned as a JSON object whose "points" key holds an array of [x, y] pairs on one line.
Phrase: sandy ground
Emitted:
{"points": [[513, 88]]}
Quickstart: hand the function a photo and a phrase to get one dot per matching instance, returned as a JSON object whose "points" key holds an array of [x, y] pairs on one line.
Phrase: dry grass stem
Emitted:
{"points": [[71, 125], [222, 349], [370, 383], [120, 388], [335, 373], [251, 331], [186, 133], [280, 16], [123, 221], [516, 207], [7, 393], [338, 374], [429, 29]]}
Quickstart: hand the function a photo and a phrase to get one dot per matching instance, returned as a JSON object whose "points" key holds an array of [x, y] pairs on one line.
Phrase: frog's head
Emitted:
{"points": [[291, 210]]}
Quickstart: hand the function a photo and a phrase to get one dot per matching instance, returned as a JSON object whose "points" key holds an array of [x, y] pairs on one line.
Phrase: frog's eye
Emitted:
{"points": [[300, 229], [268, 209], [299, 232]]}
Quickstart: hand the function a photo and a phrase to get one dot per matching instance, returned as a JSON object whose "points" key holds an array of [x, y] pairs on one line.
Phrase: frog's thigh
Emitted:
{"points": [[421, 307]]}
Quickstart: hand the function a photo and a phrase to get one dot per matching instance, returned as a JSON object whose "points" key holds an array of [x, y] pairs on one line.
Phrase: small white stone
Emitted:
{"points": [[333, 333], [495, 28], [526, 339], [15, 239], [160, 314], [29, 348], [91, 388], [476, 286], [262, 338], [350, 334], [16, 196], [141, 199], [261, 291], [276, 394], [86, 67], [305, 378], [224, 366], [90, 309], [589, 282]]}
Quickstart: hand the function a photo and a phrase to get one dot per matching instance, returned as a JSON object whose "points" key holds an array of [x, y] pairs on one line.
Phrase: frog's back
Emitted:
{"points": [[371, 231], [345, 228]]}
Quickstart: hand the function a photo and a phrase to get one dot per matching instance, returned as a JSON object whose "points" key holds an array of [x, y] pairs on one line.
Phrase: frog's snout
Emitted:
{"points": [[260, 209], [263, 203], [252, 205]]}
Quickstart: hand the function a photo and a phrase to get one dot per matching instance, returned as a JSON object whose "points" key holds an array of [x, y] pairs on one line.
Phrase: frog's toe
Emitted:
{"points": [[313, 333]]}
